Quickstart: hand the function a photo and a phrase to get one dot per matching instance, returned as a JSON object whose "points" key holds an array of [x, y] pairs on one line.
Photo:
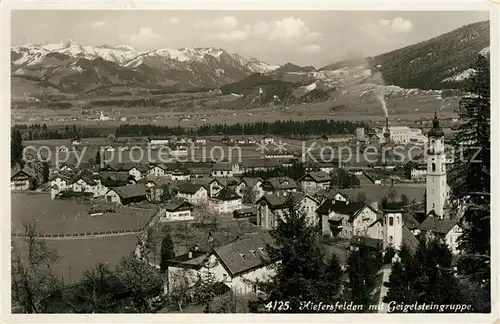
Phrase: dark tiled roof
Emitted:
{"points": [[175, 204], [135, 190], [275, 201], [200, 170], [261, 163], [436, 225], [350, 209], [319, 176], [410, 221], [377, 192], [85, 178], [15, 172], [61, 175], [116, 176], [196, 260], [243, 255], [250, 182], [281, 183], [158, 181], [223, 166], [227, 194], [410, 240], [190, 188], [366, 241]]}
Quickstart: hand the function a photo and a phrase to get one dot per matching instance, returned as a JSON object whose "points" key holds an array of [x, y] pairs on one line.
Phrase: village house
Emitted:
{"points": [[200, 140], [65, 168], [196, 194], [155, 186], [200, 171], [184, 140], [117, 178], [251, 187], [311, 182], [63, 149], [345, 219], [214, 185], [280, 185], [268, 140], [108, 148], [445, 229], [138, 171], [280, 154], [245, 212], [76, 141], [20, 180], [252, 140], [225, 140], [225, 202], [272, 206], [59, 182], [127, 194], [341, 138], [157, 170], [87, 182], [158, 141], [178, 150], [238, 265], [177, 210], [222, 170], [180, 175], [418, 172], [249, 165]]}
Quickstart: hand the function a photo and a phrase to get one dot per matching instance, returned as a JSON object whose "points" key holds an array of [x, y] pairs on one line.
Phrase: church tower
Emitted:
{"points": [[436, 185], [393, 228]]}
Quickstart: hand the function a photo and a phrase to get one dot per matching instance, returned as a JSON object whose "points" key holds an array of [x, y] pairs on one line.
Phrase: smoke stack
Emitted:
{"points": [[387, 123]]}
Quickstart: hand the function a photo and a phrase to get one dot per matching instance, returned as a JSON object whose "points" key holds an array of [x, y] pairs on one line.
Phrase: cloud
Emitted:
{"points": [[225, 23], [310, 49], [288, 31], [145, 35], [291, 29], [101, 24], [174, 21], [235, 35], [384, 28], [222, 23]]}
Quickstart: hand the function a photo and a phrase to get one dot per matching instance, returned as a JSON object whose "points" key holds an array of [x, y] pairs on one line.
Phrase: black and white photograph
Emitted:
{"points": [[250, 161]]}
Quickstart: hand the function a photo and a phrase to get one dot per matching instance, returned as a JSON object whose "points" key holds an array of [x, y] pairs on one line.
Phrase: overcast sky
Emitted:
{"points": [[301, 37]]}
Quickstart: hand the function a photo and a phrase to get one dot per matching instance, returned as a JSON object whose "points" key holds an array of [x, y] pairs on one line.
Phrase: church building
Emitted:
{"points": [[436, 185]]}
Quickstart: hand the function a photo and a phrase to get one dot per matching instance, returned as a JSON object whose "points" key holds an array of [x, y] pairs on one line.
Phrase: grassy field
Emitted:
{"points": [[196, 111], [76, 256], [60, 216]]}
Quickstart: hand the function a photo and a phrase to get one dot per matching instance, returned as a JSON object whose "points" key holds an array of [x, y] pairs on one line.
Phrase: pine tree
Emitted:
{"points": [[399, 279], [302, 274], [363, 268], [470, 177], [432, 276], [98, 158], [471, 173], [167, 252], [16, 149]]}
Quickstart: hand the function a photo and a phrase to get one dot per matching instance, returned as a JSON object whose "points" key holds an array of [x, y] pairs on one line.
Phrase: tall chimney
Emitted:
{"points": [[387, 123]]}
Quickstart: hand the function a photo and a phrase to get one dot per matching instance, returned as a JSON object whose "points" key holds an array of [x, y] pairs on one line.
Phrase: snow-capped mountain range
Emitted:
{"points": [[71, 68], [126, 55], [75, 67]]}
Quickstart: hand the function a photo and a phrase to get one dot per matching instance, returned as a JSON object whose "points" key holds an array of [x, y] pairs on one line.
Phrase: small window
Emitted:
{"points": [[391, 221], [433, 167]]}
